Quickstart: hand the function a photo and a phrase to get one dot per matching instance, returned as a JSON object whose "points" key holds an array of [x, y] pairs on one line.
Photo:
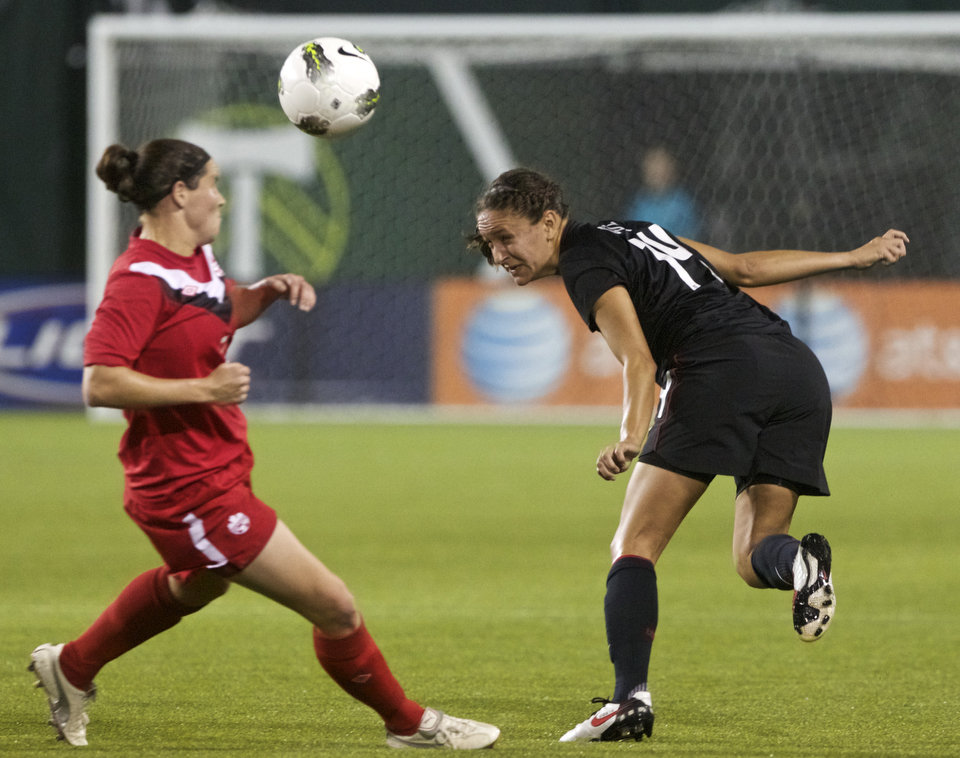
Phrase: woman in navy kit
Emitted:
{"points": [[156, 349], [738, 395]]}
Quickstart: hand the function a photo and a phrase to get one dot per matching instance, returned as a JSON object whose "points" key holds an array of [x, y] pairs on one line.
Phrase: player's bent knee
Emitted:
{"points": [[338, 621], [332, 608], [745, 570], [199, 590]]}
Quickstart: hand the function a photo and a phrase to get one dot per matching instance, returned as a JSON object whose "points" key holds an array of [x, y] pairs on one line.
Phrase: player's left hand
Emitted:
{"points": [[886, 250], [293, 288], [615, 459]]}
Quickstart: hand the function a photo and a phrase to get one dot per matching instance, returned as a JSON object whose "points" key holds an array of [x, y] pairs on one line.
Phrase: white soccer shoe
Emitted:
{"points": [[438, 730], [814, 601], [631, 720], [68, 704]]}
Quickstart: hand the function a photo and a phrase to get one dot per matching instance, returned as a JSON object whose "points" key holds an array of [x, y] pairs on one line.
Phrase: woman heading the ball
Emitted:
{"points": [[156, 349], [738, 395]]}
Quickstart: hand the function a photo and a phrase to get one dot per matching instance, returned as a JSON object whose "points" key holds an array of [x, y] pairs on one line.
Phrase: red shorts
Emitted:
{"points": [[222, 531]]}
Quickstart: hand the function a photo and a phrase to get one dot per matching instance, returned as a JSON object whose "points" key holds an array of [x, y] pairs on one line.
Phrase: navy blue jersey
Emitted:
{"points": [[679, 297]]}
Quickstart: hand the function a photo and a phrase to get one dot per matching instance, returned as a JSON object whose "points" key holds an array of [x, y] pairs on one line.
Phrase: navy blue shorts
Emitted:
{"points": [[756, 407]]}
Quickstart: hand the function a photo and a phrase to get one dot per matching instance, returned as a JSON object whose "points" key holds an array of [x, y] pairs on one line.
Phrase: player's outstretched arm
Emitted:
{"points": [[763, 267], [249, 302]]}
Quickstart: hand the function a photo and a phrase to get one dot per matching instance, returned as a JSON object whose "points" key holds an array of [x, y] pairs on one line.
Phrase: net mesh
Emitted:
{"points": [[805, 142]]}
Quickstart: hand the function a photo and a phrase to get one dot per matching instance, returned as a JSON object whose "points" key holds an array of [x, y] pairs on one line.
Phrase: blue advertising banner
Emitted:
{"points": [[363, 343], [41, 343]]}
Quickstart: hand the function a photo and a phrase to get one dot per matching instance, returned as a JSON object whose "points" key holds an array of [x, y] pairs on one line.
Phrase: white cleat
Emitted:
{"points": [[68, 704], [614, 722], [438, 730]]}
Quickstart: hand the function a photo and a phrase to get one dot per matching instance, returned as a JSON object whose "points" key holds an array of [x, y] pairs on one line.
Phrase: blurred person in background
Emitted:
{"points": [[661, 198]]}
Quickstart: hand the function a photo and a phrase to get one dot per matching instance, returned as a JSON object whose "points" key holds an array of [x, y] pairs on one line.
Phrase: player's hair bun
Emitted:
{"points": [[145, 176], [116, 169]]}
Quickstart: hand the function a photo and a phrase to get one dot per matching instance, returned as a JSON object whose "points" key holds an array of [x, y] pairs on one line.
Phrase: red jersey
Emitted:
{"points": [[170, 317]]}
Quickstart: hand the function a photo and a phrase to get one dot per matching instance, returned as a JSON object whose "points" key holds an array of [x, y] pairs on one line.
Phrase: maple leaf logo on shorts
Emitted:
{"points": [[238, 523]]}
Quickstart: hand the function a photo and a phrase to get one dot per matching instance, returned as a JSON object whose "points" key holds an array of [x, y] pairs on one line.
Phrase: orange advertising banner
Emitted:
{"points": [[883, 345]]}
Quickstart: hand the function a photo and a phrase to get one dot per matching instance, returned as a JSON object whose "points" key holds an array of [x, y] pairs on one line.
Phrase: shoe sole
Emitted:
{"points": [[622, 731], [631, 721], [815, 602], [399, 743]]}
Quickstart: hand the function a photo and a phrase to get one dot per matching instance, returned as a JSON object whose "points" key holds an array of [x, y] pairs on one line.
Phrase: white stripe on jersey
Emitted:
{"points": [[182, 281]]}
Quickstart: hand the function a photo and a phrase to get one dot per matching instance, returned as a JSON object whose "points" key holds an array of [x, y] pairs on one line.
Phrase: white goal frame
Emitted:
{"points": [[450, 66]]}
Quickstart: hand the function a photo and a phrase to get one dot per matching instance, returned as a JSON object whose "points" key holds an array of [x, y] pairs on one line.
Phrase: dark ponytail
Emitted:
{"points": [[145, 176]]}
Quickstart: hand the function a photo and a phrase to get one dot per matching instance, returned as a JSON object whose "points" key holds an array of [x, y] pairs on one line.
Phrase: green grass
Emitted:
{"points": [[478, 555]]}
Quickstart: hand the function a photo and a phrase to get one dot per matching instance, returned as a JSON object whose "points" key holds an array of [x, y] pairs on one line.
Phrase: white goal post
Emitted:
{"points": [[783, 123]]}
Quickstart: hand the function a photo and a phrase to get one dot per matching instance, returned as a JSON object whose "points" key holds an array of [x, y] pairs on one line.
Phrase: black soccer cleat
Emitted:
{"points": [[814, 601]]}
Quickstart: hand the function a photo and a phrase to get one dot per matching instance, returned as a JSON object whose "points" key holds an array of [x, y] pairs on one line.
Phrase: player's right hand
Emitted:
{"points": [[615, 459], [229, 383]]}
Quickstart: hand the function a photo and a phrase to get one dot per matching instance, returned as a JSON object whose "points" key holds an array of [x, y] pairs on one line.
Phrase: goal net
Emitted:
{"points": [[813, 131]]}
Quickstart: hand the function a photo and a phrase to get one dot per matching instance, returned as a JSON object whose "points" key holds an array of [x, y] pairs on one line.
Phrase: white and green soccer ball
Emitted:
{"points": [[328, 87]]}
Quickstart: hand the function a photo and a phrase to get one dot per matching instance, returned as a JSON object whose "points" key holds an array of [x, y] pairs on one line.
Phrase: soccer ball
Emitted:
{"points": [[328, 87]]}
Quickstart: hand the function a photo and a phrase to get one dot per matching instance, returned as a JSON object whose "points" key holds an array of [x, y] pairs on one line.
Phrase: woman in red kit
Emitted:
{"points": [[157, 350]]}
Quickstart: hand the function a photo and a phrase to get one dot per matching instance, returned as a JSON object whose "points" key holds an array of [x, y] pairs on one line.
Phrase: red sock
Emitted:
{"points": [[357, 665], [145, 608]]}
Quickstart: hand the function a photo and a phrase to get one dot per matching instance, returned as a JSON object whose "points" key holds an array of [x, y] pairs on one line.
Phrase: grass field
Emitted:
{"points": [[478, 555]]}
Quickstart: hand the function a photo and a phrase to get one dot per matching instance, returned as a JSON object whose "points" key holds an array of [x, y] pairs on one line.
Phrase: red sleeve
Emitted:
{"points": [[248, 304], [126, 319]]}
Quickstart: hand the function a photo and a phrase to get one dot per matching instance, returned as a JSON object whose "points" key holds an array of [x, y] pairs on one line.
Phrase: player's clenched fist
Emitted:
{"points": [[615, 459], [229, 383], [888, 249]]}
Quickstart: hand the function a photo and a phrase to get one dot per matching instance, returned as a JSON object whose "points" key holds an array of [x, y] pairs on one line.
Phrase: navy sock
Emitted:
{"points": [[630, 608], [772, 560]]}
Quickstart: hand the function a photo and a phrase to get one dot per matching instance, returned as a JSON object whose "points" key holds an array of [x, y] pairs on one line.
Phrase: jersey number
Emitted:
{"points": [[668, 252]]}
